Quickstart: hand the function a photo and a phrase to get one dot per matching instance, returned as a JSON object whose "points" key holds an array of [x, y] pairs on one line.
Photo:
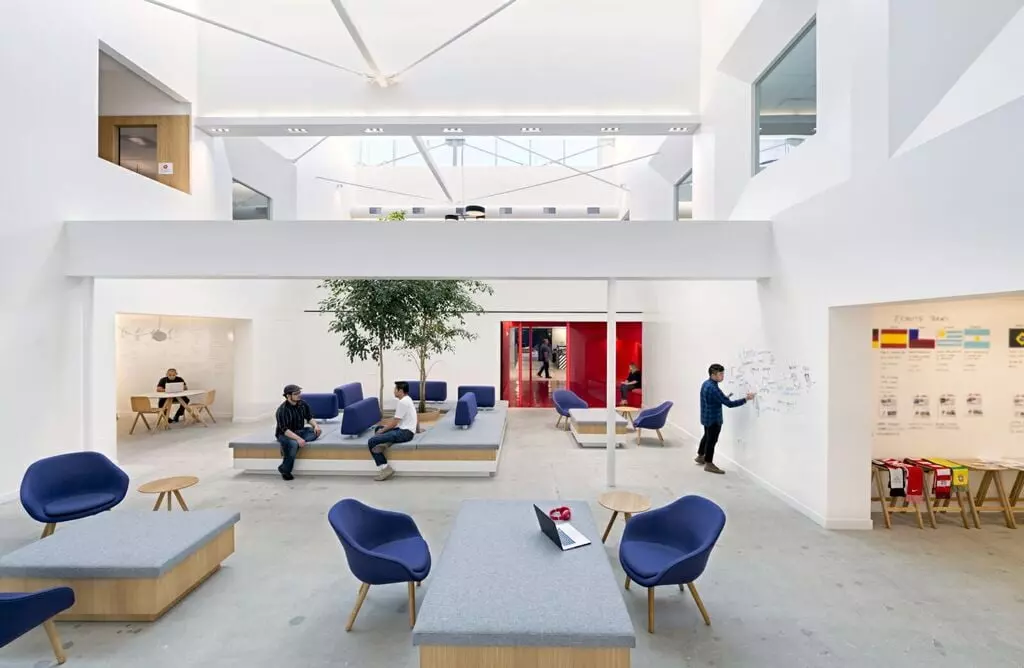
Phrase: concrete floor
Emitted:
{"points": [[780, 591]]}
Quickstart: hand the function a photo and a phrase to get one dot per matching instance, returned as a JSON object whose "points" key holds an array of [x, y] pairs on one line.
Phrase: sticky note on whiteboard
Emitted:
{"points": [[165, 168]]}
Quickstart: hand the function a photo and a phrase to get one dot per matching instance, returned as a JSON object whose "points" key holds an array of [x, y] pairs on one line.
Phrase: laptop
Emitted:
{"points": [[564, 535], [174, 387]]}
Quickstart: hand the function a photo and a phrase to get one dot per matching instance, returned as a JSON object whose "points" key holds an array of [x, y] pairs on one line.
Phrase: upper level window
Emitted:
{"points": [[248, 204], [786, 100], [684, 197]]}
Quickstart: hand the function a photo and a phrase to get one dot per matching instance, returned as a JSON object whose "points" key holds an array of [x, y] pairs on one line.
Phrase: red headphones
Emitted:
{"points": [[560, 514]]}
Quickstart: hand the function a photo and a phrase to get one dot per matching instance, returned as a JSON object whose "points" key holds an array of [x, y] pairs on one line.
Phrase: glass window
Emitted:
{"points": [[136, 149], [684, 197], [480, 152], [547, 149], [511, 151], [374, 151], [582, 152], [248, 204], [786, 100]]}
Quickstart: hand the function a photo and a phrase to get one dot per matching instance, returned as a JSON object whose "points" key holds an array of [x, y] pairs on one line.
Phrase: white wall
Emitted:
{"points": [[852, 226], [124, 93], [202, 351]]}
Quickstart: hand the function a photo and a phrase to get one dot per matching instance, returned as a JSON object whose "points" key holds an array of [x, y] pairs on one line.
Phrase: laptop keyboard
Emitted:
{"points": [[564, 537]]}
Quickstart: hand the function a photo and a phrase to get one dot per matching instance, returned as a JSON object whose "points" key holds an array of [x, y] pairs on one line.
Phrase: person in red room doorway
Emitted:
{"points": [[632, 382]]}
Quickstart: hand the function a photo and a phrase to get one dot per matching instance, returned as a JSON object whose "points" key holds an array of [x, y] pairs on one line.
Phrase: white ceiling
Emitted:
{"points": [[535, 57]]}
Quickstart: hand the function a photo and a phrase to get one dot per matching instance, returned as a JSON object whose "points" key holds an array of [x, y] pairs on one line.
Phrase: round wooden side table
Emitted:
{"points": [[628, 412], [626, 503], [165, 487]]}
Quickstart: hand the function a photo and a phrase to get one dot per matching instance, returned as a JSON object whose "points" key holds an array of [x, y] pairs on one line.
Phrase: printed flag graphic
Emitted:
{"points": [[976, 339], [894, 338], [950, 338], [875, 344], [1016, 338], [917, 342]]}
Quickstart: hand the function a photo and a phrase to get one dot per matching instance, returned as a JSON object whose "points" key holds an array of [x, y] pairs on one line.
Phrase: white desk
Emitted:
{"points": [[174, 398]]}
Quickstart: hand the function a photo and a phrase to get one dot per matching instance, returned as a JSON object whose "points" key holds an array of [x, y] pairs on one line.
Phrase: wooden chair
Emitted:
{"points": [[199, 406], [142, 407]]}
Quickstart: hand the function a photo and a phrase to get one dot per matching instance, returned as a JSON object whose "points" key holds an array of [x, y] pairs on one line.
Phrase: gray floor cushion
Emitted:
{"points": [[118, 544]]}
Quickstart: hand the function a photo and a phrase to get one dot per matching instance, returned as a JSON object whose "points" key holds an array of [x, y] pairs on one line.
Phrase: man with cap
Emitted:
{"points": [[292, 432]]}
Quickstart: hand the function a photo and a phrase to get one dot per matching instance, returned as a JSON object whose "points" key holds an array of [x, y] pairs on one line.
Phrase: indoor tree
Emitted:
{"points": [[438, 320]]}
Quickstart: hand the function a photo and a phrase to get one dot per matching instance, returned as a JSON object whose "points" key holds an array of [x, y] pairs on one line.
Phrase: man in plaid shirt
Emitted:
{"points": [[711, 401]]}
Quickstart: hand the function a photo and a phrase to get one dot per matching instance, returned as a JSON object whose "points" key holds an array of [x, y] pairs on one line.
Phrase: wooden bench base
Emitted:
{"points": [[448, 656]]}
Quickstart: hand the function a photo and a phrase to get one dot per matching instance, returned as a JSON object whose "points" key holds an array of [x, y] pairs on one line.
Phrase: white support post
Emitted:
{"points": [[610, 392]]}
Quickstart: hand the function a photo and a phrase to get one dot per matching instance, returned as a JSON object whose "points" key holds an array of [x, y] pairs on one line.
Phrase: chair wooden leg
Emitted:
{"points": [[412, 605], [558, 424], [638, 436], [700, 603], [210, 414], [420, 583], [169, 502], [650, 609], [48, 529], [660, 437], [181, 501], [608, 529], [51, 633], [159, 500], [627, 582], [136, 423], [363, 588]]}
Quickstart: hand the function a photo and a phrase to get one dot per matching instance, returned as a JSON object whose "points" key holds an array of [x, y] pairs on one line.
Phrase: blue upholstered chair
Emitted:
{"points": [[360, 416], [437, 390], [671, 546], [465, 410], [324, 406], [70, 487], [348, 394], [652, 418], [22, 612], [484, 394], [382, 547], [564, 401]]}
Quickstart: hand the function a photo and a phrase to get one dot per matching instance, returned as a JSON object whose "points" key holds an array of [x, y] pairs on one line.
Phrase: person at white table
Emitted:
{"points": [[173, 377], [292, 433], [398, 429]]}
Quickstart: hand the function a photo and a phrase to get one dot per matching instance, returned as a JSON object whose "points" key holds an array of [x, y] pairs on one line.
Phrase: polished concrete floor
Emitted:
{"points": [[780, 591]]}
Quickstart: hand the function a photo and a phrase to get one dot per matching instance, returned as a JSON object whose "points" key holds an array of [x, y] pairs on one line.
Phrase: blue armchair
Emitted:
{"points": [[21, 612], [70, 487], [671, 546], [652, 418], [382, 547], [564, 401]]}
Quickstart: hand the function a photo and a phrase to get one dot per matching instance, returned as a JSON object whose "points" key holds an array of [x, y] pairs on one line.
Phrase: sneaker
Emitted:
{"points": [[381, 448], [711, 468], [384, 473], [286, 476], [699, 459]]}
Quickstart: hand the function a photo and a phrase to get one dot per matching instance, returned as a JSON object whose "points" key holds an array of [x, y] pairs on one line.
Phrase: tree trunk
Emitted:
{"points": [[423, 382], [380, 369]]}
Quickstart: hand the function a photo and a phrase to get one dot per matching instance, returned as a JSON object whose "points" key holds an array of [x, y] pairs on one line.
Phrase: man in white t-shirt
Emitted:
{"points": [[398, 429]]}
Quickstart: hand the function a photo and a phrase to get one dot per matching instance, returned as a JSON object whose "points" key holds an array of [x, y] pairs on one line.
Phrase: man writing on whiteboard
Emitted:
{"points": [[711, 401]]}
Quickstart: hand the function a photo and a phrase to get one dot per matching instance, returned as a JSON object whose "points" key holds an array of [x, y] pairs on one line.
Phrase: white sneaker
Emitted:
{"points": [[384, 473]]}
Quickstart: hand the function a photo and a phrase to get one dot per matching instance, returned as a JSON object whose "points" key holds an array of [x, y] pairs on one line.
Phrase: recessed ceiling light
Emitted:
{"points": [[453, 131], [219, 130], [609, 129], [373, 131], [297, 131], [679, 129], [530, 130]]}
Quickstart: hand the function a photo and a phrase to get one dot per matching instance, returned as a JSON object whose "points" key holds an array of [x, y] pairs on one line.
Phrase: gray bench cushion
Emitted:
{"points": [[501, 582], [486, 433], [118, 544]]}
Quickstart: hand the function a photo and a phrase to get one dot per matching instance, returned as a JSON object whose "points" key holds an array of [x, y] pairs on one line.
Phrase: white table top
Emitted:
{"points": [[172, 395], [590, 415]]}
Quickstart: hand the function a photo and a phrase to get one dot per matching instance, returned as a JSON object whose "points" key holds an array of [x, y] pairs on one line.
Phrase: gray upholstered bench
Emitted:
{"points": [[443, 449], [125, 565], [502, 594], [589, 426]]}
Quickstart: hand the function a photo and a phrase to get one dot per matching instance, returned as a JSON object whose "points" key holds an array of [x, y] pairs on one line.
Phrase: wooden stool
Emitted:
{"points": [[167, 487], [626, 503], [991, 472], [1017, 488], [907, 507]]}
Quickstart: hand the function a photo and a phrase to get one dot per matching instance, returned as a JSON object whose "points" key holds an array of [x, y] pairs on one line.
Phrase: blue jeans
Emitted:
{"points": [[624, 389], [391, 436], [290, 447]]}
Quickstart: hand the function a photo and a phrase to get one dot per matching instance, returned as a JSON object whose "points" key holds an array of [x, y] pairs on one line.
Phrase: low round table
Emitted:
{"points": [[626, 503], [628, 412], [167, 487]]}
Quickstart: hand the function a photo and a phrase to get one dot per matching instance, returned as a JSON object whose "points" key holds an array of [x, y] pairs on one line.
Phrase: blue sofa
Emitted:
{"points": [[349, 393], [324, 405], [565, 401], [70, 487], [360, 416], [437, 390], [484, 394], [465, 410]]}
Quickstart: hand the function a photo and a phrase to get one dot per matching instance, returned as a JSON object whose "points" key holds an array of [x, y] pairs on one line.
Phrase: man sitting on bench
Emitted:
{"points": [[398, 429]]}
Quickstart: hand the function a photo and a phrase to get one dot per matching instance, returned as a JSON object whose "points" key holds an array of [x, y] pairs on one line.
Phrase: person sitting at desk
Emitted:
{"points": [[173, 377], [632, 383]]}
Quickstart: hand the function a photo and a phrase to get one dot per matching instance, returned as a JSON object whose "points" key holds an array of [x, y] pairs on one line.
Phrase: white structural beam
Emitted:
{"points": [[309, 150], [364, 50], [432, 166], [579, 172], [263, 40], [381, 190], [566, 178], [462, 33], [612, 437], [727, 250]]}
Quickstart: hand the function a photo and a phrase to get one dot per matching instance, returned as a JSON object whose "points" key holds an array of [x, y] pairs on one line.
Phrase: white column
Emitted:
{"points": [[611, 394]]}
